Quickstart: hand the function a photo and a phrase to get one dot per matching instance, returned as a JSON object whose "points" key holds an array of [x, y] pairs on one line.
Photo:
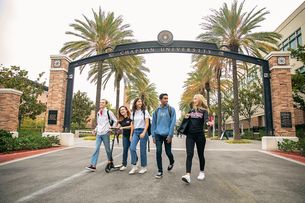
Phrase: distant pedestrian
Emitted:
{"points": [[105, 120], [162, 130], [198, 118], [139, 128], [124, 124]]}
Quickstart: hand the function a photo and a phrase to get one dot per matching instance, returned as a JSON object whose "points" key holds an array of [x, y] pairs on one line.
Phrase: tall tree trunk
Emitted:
{"points": [[219, 102], [118, 91], [98, 88], [235, 97], [126, 102]]}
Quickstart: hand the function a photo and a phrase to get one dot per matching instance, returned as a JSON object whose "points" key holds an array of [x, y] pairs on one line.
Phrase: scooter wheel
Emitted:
{"points": [[107, 170]]}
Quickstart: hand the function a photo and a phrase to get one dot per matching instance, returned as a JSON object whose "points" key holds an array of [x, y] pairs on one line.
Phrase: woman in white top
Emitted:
{"points": [[139, 126]]}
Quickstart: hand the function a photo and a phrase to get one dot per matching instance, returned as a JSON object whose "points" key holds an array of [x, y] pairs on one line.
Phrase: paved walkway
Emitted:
{"points": [[234, 173]]}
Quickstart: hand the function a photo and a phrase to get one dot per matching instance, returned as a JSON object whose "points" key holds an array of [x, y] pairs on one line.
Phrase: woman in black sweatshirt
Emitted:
{"points": [[198, 118]]}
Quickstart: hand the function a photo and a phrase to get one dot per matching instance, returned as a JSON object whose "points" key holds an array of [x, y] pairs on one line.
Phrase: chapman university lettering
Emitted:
{"points": [[167, 49]]}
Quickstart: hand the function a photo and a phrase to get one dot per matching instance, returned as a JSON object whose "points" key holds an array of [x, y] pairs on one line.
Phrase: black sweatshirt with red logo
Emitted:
{"points": [[197, 121]]}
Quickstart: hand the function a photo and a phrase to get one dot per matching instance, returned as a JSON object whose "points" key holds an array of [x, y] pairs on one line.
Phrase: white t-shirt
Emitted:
{"points": [[103, 125], [138, 120]]}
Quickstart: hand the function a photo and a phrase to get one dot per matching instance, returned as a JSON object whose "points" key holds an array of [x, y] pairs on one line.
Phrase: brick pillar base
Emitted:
{"points": [[57, 93], [281, 93], [9, 109]]}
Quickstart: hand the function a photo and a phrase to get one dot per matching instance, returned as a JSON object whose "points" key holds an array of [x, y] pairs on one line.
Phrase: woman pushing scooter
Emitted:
{"points": [[125, 125]]}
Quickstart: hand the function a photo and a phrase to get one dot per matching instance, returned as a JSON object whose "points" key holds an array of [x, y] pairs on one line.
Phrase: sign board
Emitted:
{"points": [[286, 121], [52, 117]]}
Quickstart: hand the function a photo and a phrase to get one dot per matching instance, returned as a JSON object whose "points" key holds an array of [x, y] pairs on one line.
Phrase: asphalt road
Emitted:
{"points": [[234, 173]]}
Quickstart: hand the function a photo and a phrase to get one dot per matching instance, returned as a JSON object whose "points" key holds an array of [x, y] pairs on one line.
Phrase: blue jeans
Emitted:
{"points": [[143, 147], [126, 145], [99, 139]]}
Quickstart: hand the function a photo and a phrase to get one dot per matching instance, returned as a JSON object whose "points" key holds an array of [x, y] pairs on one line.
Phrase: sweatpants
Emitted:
{"points": [[191, 140]]}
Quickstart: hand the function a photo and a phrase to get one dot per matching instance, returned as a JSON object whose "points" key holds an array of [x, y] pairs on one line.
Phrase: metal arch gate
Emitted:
{"points": [[167, 45]]}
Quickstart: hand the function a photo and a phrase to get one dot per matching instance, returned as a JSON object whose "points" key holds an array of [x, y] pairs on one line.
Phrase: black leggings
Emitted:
{"points": [[200, 140]]}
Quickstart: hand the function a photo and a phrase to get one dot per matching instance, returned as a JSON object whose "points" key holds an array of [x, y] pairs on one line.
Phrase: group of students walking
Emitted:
{"points": [[136, 125]]}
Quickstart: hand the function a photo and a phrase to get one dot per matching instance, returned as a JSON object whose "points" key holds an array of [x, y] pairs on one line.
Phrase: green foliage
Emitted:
{"points": [[16, 78], [298, 89], [241, 141], [146, 91], [95, 36], [301, 146], [31, 142], [287, 145], [82, 107], [250, 98], [299, 53], [5, 134], [298, 79], [300, 131], [29, 131], [90, 138], [253, 136]]}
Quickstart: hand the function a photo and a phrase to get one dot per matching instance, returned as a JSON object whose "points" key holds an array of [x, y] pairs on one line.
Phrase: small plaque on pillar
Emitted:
{"points": [[286, 120], [52, 117]]}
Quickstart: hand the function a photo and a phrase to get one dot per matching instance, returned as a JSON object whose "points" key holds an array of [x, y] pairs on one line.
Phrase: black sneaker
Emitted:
{"points": [[170, 167], [90, 168], [159, 175]]}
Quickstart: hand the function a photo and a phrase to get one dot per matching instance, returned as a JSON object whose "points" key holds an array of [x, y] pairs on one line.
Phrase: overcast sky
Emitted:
{"points": [[32, 30]]}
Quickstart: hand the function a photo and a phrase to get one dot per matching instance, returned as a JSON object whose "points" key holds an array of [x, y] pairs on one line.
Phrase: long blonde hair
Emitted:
{"points": [[202, 103]]}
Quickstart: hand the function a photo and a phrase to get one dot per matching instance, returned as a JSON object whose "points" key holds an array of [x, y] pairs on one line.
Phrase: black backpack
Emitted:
{"points": [[149, 122], [111, 122]]}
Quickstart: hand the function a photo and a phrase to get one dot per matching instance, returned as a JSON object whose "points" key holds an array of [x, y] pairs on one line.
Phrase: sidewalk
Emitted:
{"points": [[234, 173]]}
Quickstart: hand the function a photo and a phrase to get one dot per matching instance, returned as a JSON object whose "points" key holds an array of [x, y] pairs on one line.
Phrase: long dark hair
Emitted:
{"points": [[134, 106], [120, 116]]}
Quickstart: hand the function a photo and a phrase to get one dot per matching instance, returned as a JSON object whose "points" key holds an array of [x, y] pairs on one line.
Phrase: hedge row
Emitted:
{"points": [[29, 142]]}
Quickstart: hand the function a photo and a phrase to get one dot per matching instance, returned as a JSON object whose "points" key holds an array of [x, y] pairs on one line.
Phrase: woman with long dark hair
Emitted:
{"points": [[124, 124], [139, 127], [198, 117]]}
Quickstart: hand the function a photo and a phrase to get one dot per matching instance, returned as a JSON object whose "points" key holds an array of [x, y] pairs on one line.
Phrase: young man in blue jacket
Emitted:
{"points": [[162, 130]]}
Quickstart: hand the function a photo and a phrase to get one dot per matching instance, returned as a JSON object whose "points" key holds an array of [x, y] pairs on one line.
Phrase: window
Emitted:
{"points": [[293, 41]]}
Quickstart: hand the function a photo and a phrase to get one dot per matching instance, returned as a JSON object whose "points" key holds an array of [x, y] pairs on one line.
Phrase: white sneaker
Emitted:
{"points": [[133, 170], [143, 170], [201, 175], [186, 178], [123, 168]]}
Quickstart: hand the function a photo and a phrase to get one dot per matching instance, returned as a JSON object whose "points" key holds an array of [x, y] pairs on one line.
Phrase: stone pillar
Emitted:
{"points": [[9, 110], [282, 101], [57, 93], [281, 93]]}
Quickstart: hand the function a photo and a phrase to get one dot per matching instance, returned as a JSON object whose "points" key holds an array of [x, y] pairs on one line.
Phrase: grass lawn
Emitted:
{"points": [[241, 141]]}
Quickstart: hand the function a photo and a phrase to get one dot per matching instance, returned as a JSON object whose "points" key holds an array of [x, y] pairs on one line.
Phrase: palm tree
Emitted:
{"points": [[146, 91], [233, 28], [128, 68], [95, 36], [195, 83]]}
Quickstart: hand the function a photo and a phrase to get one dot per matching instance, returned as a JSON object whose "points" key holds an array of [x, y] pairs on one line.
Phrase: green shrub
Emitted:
{"points": [[8, 144], [4, 133], [287, 145], [301, 146], [300, 133], [29, 132]]}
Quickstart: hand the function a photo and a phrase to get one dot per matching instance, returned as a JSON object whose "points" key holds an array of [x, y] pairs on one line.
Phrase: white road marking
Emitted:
{"points": [[281, 157], [33, 156], [58, 183]]}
